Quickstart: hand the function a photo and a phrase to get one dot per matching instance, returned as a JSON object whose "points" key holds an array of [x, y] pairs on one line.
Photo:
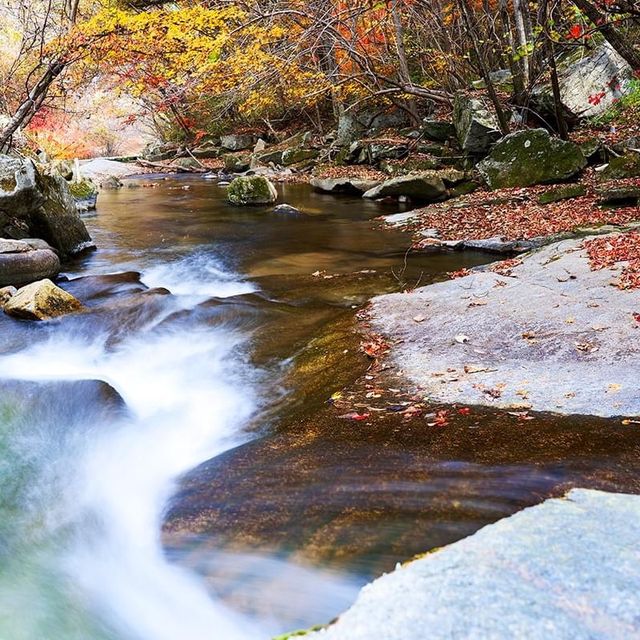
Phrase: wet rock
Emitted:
{"points": [[565, 192], [625, 166], [287, 210], [5, 294], [187, 164], [476, 126], [41, 300], [237, 142], [551, 336], [111, 183], [519, 578], [343, 185], [57, 220], [85, 194], [22, 263], [251, 190], [427, 187], [530, 157]]}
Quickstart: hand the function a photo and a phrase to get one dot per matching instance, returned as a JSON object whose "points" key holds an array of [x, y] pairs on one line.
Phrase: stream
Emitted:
{"points": [[169, 466]]}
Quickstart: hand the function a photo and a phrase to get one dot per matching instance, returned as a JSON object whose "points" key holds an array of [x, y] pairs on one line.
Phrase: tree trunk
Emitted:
{"points": [[403, 65], [491, 90]]}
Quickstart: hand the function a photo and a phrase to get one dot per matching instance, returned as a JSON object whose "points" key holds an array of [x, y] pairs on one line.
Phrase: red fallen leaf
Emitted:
{"points": [[464, 411], [636, 317], [441, 419], [575, 32], [354, 415]]}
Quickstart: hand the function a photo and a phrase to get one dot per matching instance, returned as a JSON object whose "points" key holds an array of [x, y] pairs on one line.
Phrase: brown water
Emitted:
{"points": [[283, 510]]}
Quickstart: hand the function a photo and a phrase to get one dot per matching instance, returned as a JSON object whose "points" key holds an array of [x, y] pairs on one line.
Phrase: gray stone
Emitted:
{"points": [[581, 77], [438, 130], [5, 294], [40, 205], [297, 155], [22, 262], [343, 185], [287, 210], [625, 166], [552, 336], [427, 187], [237, 142], [476, 126], [529, 157], [111, 183], [57, 220], [566, 569], [251, 190], [41, 300]]}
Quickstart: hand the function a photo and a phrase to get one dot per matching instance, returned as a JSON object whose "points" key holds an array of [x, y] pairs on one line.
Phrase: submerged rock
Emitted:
{"points": [[22, 263], [287, 210], [427, 187], [251, 190], [529, 157], [550, 571], [41, 300]]}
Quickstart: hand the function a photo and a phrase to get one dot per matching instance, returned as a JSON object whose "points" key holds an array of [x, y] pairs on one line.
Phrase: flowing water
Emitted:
{"points": [[195, 313]]}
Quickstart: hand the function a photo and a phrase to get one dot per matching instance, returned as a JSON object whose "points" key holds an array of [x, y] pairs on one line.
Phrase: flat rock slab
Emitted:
{"points": [[565, 569], [552, 336]]}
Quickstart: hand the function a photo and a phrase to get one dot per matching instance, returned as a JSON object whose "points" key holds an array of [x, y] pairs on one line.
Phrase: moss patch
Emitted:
{"points": [[565, 192], [251, 190]]}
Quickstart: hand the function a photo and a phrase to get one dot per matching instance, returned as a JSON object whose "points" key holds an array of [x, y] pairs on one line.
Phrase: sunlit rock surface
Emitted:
{"points": [[566, 569], [551, 336]]}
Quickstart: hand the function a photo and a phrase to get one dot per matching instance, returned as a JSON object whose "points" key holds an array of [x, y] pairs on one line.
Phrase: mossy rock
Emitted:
{"points": [[294, 156], [251, 190], [626, 166], [236, 163], [529, 157], [565, 192], [83, 189]]}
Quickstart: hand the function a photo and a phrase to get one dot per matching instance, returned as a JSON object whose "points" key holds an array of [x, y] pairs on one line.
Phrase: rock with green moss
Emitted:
{"points": [[296, 155], [236, 163], [298, 634], [85, 193], [476, 126], [619, 196], [251, 190], [626, 166], [565, 192], [529, 157], [437, 130]]}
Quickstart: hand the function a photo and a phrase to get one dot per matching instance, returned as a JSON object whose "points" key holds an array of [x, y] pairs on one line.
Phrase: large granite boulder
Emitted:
{"points": [[589, 85], [528, 157], [353, 125], [21, 262], [40, 205], [426, 187], [251, 190], [565, 569], [296, 155], [41, 300], [476, 126], [343, 185]]}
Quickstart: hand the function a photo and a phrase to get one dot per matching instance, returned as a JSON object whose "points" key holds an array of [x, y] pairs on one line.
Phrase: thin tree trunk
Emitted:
{"points": [[491, 90], [402, 58]]}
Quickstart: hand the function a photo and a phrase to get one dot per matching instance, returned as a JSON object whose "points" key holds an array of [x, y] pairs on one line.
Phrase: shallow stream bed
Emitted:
{"points": [[202, 487]]}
